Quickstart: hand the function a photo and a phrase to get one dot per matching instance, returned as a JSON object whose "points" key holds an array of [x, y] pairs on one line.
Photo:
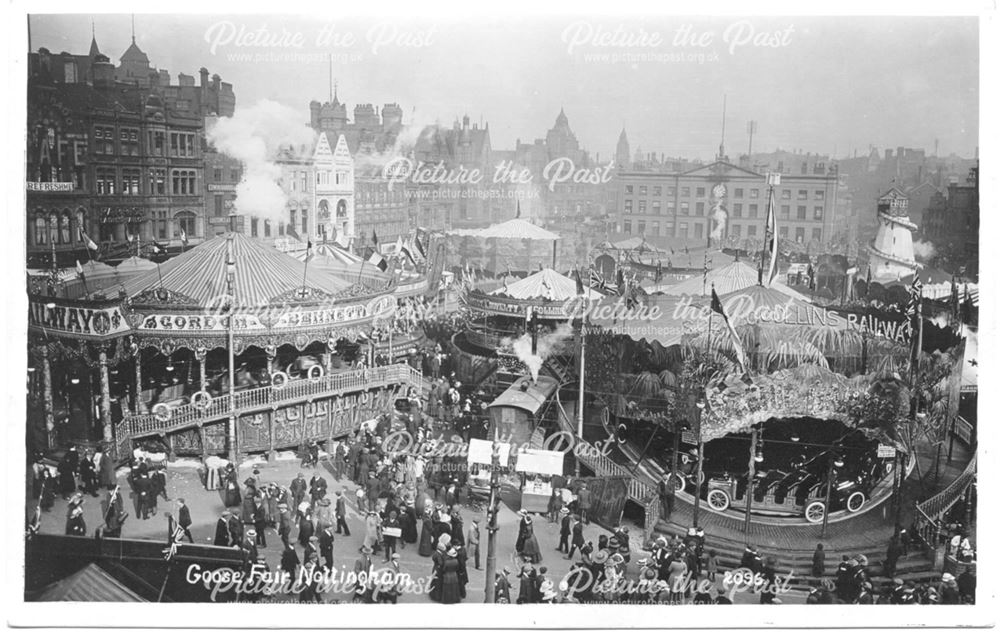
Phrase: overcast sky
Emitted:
{"points": [[816, 84]]}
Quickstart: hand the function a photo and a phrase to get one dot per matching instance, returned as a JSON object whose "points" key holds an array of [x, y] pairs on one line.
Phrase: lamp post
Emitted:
{"points": [[491, 520], [751, 474], [699, 407]]}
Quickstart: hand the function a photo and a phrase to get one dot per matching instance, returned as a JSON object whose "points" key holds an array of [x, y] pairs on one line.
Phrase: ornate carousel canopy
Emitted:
{"points": [[263, 276], [324, 254], [547, 285], [727, 279]]}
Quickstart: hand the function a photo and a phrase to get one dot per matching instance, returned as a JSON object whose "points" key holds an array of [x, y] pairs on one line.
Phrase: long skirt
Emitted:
{"points": [[531, 549], [426, 547]]}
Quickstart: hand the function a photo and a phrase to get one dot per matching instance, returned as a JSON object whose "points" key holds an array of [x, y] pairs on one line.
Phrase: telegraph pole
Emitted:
{"points": [[491, 521]]}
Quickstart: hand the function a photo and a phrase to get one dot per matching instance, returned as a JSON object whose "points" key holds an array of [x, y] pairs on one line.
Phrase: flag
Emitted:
{"points": [[419, 243], [770, 262], [914, 313], [309, 250], [409, 255], [290, 231], [579, 282], [659, 270], [79, 269], [596, 280], [812, 277], [913, 307], [184, 237], [157, 249], [399, 244], [375, 240], [129, 237], [87, 240], [378, 261], [868, 279], [741, 356]]}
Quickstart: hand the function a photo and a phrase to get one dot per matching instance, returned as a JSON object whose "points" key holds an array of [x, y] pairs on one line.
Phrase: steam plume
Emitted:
{"points": [[252, 136], [923, 250], [547, 344]]}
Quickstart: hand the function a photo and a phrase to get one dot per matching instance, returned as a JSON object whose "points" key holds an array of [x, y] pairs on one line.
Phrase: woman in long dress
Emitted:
{"points": [[526, 590], [408, 524], [371, 531], [531, 552], [450, 588], [426, 547], [233, 497]]}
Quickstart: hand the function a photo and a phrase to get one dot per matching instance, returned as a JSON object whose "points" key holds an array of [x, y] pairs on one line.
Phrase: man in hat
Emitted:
{"points": [[184, 519], [317, 487], [235, 530], [565, 529], [339, 461], [326, 545], [472, 541], [578, 541], [522, 531], [501, 586], [284, 523], [306, 529], [310, 551], [289, 561], [298, 489], [391, 583], [340, 511], [260, 522], [372, 491], [583, 503], [363, 571], [666, 489], [222, 530], [75, 524], [949, 590]]}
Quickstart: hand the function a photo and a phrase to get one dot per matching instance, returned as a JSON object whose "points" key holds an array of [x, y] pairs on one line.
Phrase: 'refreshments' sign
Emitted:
{"points": [[81, 321]]}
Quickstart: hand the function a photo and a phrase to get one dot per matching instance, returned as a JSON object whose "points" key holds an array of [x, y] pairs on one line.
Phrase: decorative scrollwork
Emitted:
{"points": [[162, 296]]}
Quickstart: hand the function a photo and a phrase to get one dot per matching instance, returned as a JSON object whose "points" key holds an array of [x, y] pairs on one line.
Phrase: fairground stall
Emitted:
{"points": [[537, 469], [229, 348]]}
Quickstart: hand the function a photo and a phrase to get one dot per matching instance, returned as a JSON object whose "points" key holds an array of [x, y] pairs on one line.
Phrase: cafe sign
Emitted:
{"points": [[51, 187], [82, 321]]}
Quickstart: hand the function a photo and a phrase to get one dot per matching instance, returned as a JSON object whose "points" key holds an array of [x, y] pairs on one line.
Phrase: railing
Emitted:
{"points": [[963, 430], [930, 511], [186, 415]]}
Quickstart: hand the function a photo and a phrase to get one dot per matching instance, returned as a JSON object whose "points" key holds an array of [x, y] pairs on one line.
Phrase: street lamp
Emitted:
{"points": [[491, 519], [699, 409]]}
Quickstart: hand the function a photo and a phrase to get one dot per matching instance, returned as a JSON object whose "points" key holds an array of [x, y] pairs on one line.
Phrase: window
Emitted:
{"points": [[818, 212], [130, 142], [642, 206], [161, 224], [236, 174], [800, 235], [701, 191], [800, 211], [783, 232], [668, 227], [253, 226], [803, 194], [41, 230], [183, 182], [671, 206], [738, 193], [685, 191], [156, 139], [656, 229], [699, 208], [220, 206], [305, 220], [819, 194], [104, 140], [699, 230], [182, 145], [628, 206], [157, 181], [185, 221], [753, 211], [736, 229], [737, 210], [819, 168], [642, 228], [786, 194], [682, 229], [105, 181], [304, 181], [642, 191], [657, 207], [628, 189], [817, 234], [658, 190], [130, 182], [627, 227], [754, 194], [216, 174], [786, 211], [267, 228], [291, 220], [752, 230], [685, 208], [671, 191]]}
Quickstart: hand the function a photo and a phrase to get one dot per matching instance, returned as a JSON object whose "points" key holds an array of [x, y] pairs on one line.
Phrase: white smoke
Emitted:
{"points": [[941, 320], [252, 136], [404, 143], [547, 344], [923, 250]]}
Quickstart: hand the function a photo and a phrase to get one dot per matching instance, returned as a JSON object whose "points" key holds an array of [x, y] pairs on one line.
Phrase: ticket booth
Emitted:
{"points": [[537, 467]]}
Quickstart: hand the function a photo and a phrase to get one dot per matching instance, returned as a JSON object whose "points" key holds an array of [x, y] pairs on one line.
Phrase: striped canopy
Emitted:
{"points": [[328, 252], [516, 228], [546, 284], [262, 274], [135, 264], [727, 279]]}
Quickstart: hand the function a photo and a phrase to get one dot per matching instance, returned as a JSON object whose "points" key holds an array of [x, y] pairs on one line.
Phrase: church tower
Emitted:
{"points": [[622, 151]]}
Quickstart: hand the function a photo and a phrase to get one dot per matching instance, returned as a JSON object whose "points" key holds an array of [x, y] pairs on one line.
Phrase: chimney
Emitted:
{"points": [[203, 77]]}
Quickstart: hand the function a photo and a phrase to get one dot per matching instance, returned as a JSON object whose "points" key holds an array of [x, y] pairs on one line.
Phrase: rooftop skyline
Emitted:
{"points": [[825, 85]]}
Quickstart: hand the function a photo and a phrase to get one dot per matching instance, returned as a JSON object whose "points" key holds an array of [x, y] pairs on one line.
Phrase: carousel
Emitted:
{"points": [[229, 348], [781, 412]]}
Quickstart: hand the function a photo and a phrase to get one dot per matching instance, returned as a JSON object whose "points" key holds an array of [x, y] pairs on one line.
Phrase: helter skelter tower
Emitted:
{"points": [[891, 252]]}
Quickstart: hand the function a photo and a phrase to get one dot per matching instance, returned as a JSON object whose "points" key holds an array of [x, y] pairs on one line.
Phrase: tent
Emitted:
{"points": [[546, 284], [516, 228], [90, 583], [726, 279]]}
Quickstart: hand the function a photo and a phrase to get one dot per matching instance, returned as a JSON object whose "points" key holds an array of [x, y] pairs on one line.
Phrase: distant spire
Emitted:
{"points": [[330, 70], [94, 51], [133, 28]]}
